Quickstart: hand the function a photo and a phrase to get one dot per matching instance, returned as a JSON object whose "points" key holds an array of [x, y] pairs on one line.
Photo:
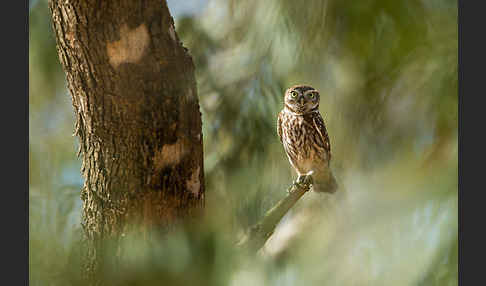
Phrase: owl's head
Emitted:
{"points": [[302, 99]]}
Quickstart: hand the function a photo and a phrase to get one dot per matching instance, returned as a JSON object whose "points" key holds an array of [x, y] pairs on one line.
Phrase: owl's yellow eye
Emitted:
{"points": [[311, 95], [293, 93]]}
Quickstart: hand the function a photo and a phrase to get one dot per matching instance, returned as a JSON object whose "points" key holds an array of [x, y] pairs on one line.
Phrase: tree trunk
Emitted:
{"points": [[134, 95]]}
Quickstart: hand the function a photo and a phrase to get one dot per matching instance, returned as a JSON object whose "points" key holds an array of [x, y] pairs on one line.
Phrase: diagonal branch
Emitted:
{"points": [[261, 232]]}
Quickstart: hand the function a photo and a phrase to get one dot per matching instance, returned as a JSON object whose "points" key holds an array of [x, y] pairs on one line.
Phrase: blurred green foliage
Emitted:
{"points": [[387, 73]]}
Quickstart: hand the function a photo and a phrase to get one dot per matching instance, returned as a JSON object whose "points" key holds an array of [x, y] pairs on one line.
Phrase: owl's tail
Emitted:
{"points": [[325, 184]]}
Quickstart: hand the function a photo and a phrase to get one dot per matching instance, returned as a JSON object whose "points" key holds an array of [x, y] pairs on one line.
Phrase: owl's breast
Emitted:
{"points": [[300, 140]]}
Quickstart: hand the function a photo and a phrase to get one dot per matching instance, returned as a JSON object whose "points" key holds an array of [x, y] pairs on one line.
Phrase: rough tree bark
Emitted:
{"points": [[134, 95]]}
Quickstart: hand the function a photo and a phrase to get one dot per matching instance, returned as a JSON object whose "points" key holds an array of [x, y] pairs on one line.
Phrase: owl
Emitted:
{"points": [[304, 137]]}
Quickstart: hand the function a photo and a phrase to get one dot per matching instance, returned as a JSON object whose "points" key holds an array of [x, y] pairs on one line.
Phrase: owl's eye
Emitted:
{"points": [[311, 95], [293, 93]]}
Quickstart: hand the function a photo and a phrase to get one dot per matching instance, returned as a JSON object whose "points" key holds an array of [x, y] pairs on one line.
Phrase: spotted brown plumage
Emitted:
{"points": [[304, 137]]}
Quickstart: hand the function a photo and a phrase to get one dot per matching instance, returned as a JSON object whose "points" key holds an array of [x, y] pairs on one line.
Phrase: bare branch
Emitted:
{"points": [[261, 232]]}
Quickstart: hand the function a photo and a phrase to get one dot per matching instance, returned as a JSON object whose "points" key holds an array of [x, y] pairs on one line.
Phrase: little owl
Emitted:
{"points": [[304, 137]]}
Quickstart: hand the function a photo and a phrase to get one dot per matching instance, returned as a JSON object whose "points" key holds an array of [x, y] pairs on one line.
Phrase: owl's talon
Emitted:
{"points": [[302, 179], [300, 182], [308, 180], [295, 184]]}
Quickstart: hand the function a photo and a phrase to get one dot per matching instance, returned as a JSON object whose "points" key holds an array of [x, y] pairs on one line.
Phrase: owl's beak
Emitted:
{"points": [[302, 101]]}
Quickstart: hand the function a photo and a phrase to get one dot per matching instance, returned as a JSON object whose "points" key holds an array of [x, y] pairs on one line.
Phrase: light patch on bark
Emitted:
{"points": [[130, 47], [193, 184], [170, 154]]}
